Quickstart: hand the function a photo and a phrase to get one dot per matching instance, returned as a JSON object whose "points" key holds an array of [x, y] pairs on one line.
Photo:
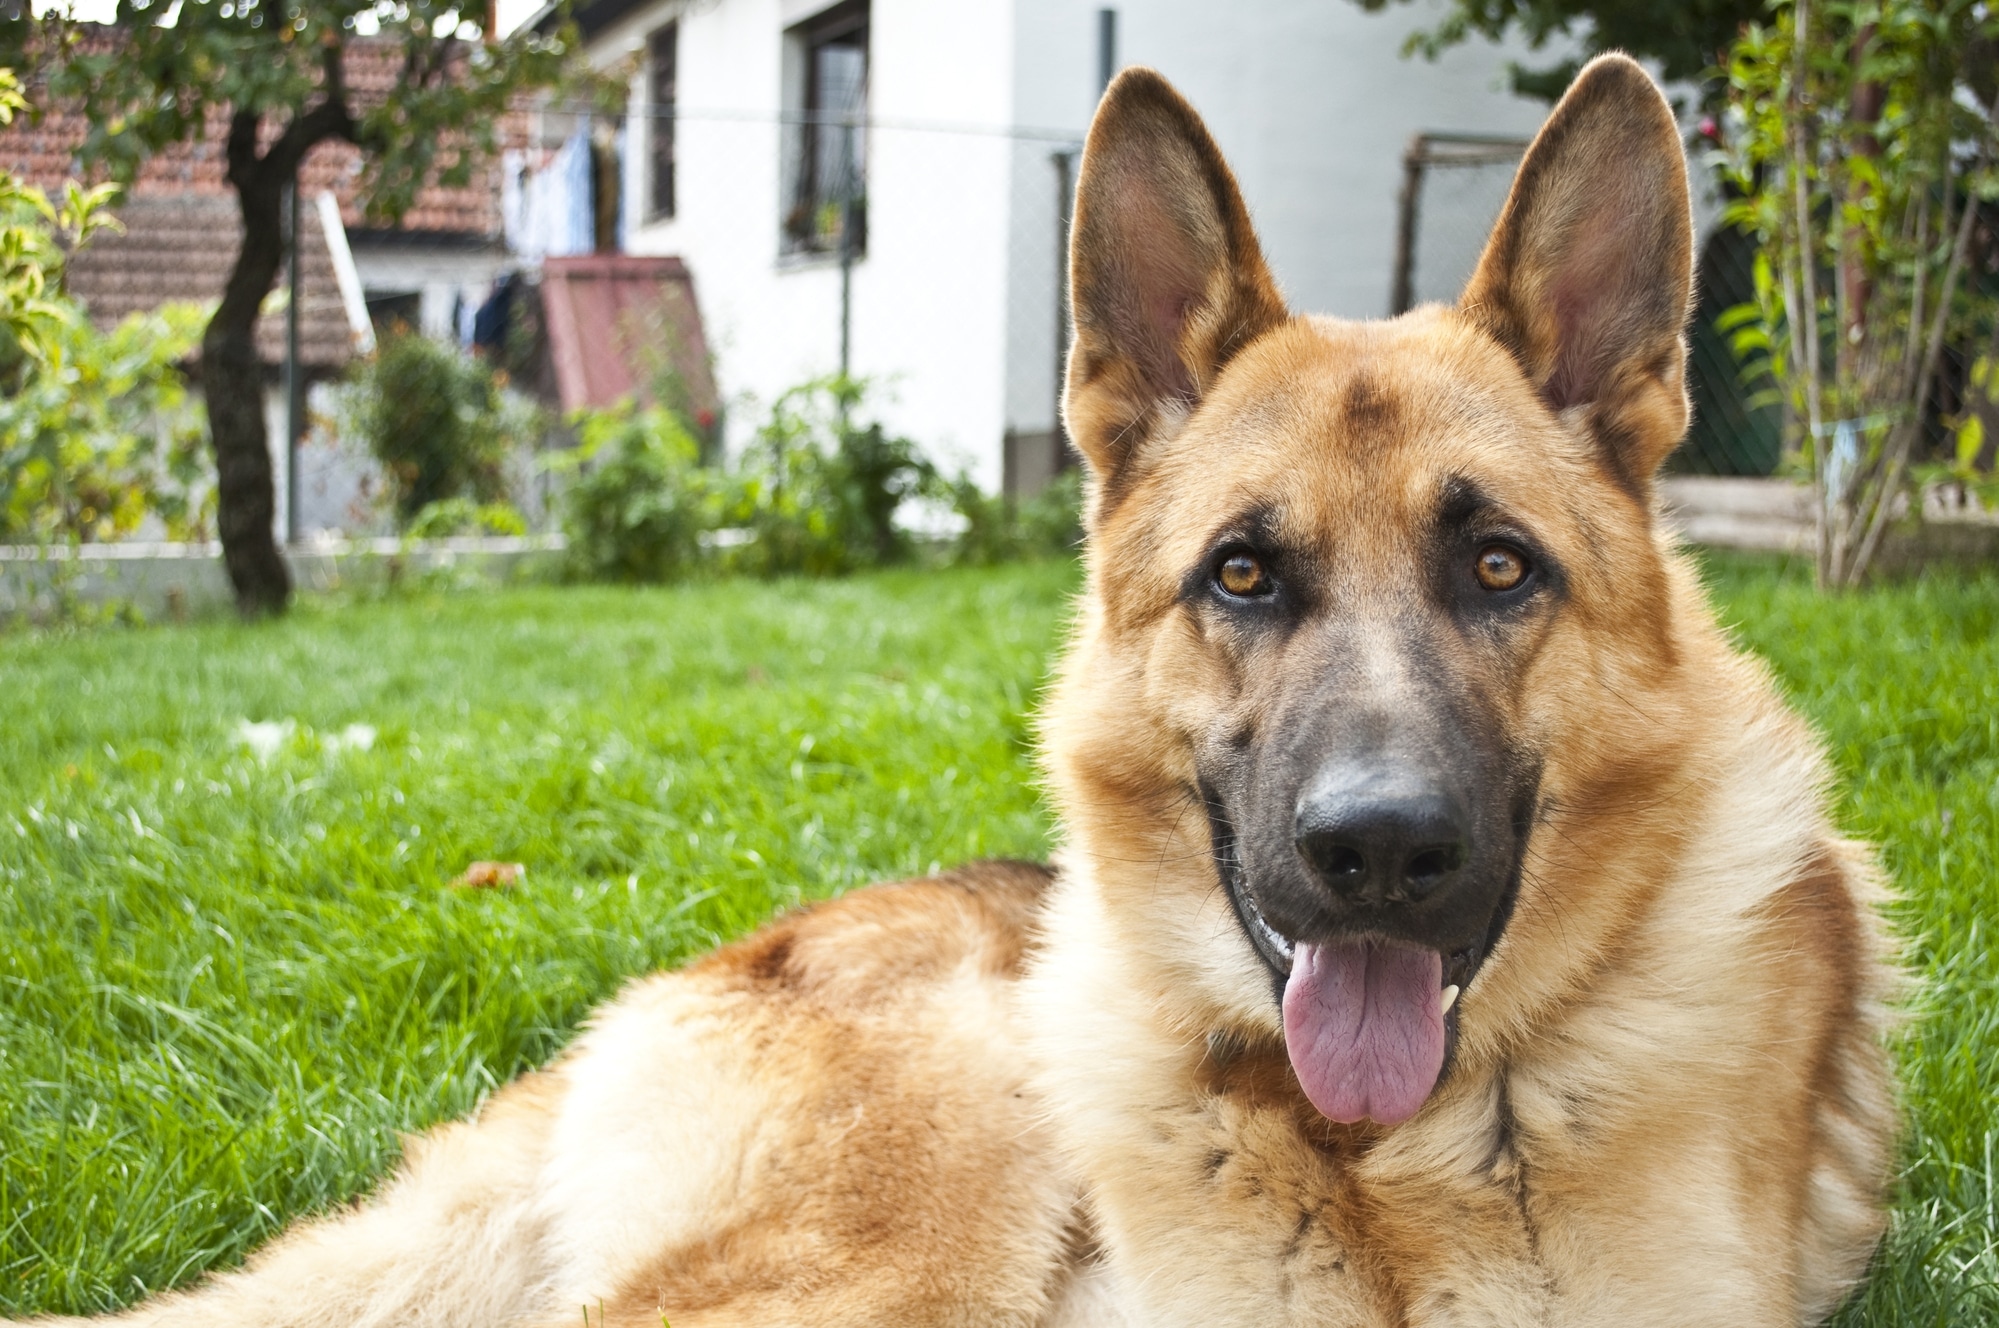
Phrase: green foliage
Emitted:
{"points": [[462, 516], [102, 431], [36, 238], [96, 429], [281, 62], [639, 502], [1686, 37], [438, 421], [816, 493], [1000, 529], [1851, 156]]}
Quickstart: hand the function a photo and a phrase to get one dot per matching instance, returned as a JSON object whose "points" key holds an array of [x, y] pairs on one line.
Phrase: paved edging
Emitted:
{"points": [[168, 580], [1776, 515]]}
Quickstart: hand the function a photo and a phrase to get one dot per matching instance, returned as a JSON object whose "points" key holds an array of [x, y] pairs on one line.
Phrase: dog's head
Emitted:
{"points": [[1367, 599]]}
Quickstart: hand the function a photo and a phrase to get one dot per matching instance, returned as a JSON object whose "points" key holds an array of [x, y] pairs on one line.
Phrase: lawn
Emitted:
{"points": [[231, 978]]}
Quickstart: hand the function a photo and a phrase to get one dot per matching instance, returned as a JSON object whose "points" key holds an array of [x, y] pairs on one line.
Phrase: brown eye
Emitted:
{"points": [[1242, 575], [1500, 568]]}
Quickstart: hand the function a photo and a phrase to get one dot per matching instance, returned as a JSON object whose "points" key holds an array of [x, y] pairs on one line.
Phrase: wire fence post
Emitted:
{"points": [[1402, 296], [849, 175], [294, 375]]}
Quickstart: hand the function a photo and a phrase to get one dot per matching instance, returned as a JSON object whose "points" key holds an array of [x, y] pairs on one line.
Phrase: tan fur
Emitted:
{"points": [[989, 1099]]}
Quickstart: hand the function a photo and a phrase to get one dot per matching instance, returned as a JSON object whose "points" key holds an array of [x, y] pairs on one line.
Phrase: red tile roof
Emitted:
{"points": [[180, 247], [44, 153]]}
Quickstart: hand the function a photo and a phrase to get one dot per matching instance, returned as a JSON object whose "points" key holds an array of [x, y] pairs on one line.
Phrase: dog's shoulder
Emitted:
{"points": [[874, 942]]}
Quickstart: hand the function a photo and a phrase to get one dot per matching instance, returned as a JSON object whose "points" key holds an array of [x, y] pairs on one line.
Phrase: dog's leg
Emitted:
{"points": [[451, 1239]]}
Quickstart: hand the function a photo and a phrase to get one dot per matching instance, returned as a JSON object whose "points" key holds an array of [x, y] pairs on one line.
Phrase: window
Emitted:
{"points": [[827, 211], [662, 58]]}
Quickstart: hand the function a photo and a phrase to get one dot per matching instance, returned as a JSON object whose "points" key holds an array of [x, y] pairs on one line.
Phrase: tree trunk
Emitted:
{"points": [[232, 380]]}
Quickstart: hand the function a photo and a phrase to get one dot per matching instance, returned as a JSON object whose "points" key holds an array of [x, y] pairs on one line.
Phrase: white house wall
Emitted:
{"points": [[928, 301]]}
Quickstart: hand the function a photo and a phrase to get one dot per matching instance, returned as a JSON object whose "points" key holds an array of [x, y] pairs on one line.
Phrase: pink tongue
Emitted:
{"points": [[1365, 1029]]}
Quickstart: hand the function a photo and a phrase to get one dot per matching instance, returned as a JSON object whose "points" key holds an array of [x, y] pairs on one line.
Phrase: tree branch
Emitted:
{"points": [[241, 150], [330, 117]]}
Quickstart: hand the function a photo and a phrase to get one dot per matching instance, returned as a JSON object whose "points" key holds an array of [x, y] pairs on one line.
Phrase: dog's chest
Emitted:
{"points": [[1234, 1209]]}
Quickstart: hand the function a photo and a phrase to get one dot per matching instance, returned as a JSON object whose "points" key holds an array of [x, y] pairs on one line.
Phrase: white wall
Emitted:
{"points": [[1310, 100], [928, 297]]}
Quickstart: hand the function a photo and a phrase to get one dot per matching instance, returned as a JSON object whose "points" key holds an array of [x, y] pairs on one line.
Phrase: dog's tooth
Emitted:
{"points": [[1450, 998]]}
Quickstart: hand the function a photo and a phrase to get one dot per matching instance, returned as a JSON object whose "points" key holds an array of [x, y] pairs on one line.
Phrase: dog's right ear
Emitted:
{"points": [[1165, 275]]}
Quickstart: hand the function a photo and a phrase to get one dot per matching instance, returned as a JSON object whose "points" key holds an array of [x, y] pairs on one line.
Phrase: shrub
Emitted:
{"points": [[104, 431], [1000, 529], [462, 516], [97, 429], [1861, 147], [817, 493], [639, 503], [438, 421]]}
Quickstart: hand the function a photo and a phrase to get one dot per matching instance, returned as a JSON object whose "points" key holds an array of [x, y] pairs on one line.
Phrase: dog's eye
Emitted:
{"points": [[1242, 575], [1500, 568]]}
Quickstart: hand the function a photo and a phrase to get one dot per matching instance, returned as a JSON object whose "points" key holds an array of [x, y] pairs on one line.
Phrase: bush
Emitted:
{"points": [[439, 423], [640, 503], [1855, 135], [815, 494], [104, 432], [462, 516], [1000, 529], [97, 429]]}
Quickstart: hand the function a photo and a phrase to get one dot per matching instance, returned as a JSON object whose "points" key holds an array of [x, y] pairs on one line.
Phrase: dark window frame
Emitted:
{"points": [[662, 108], [805, 229]]}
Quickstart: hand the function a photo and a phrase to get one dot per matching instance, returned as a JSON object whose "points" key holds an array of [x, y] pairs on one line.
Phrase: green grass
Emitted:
{"points": [[227, 984]]}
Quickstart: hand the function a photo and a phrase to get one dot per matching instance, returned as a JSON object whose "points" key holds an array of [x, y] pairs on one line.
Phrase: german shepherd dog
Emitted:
{"points": [[1450, 927]]}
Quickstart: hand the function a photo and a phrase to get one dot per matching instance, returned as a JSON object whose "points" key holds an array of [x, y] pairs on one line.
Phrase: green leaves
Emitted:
{"points": [[96, 429], [817, 492], [298, 68], [1684, 36], [438, 422], [104, 431], [1856, 156]]}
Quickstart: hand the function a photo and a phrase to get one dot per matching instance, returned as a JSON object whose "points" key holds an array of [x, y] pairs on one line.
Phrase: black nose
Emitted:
{"points": [[1381, 835]]}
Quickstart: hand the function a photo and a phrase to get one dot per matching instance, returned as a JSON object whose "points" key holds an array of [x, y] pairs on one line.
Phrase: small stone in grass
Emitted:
{"points": [[489, 876]]}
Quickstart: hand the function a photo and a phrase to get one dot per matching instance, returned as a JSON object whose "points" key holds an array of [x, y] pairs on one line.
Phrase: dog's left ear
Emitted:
{"points": [[1588, 277], [1165, 274]]}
